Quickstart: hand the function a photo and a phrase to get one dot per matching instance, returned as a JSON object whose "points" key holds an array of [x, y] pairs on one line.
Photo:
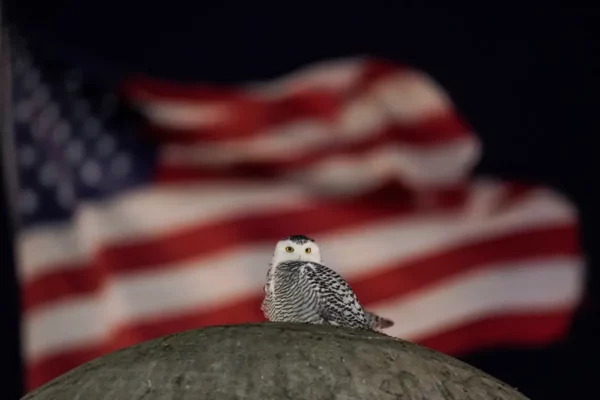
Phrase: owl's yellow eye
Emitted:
{"points": [[289, 249], [308, 250]]}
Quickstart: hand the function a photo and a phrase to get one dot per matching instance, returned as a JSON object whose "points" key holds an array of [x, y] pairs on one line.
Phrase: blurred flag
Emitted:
{"points": [[126, 234]]}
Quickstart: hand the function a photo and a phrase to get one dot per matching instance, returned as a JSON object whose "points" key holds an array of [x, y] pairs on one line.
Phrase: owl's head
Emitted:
{"points": [[296, 248]]}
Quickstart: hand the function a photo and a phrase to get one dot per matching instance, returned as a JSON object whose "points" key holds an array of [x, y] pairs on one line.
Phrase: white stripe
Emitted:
{"points": [[437, 165], [532, 286], [524, 287], [183, 114], [411, 96], [486, 199], [143, 215]]}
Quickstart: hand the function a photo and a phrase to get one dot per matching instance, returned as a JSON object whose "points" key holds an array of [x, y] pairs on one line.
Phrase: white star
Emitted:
{"points": [[105, 146], [40, 96], [65, 195], [91, 173], [121, 165], [74, 152], [61, 132], [27, 156], [91, 127], [24, 110], [48, 174], [48, 117]]}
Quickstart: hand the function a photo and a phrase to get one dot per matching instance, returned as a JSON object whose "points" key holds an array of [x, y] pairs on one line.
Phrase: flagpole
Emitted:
{"points": [[10, 297], [6, 123]]}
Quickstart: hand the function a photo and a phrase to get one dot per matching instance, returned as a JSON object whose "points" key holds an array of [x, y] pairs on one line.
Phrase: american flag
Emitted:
{"points": [[133, 230]]}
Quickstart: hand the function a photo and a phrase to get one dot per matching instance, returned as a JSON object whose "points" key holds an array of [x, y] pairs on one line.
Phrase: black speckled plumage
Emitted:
{"points": [[309, 292]]}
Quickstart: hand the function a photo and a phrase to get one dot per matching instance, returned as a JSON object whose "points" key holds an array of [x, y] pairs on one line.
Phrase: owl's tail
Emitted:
{"points": [[377, 322]]}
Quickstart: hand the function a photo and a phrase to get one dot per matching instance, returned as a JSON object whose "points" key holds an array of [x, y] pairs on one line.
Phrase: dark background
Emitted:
{"points": [[526, 80]]}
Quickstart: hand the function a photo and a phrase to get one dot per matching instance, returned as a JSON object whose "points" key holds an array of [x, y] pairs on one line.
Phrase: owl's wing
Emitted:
{"points": [[264, 306], [336, 302]]}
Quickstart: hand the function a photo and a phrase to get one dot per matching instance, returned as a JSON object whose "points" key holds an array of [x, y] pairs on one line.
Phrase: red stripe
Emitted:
{"points": [[140, 87], [533, 329], [523, 329], [202, 241], [513, 192], [245, 115], [36, 374], [517, 190]]}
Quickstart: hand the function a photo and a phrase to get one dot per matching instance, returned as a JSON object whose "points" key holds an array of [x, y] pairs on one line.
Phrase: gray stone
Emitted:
{"points": [[275, 361]]}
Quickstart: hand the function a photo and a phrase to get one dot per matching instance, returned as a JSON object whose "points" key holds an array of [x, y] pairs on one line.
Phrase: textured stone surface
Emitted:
{"points": [[275, 361]]}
